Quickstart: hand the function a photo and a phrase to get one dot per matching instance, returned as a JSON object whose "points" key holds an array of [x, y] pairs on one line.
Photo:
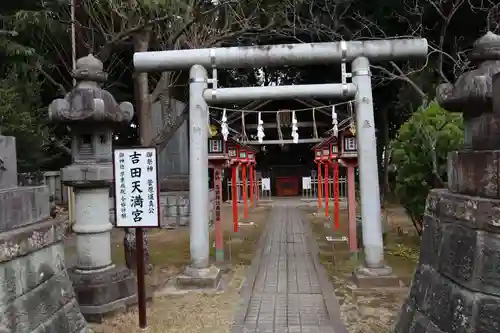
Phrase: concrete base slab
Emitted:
{"points": [[172, 287], [199, 278], [246, 224], [337, 240], [365, 277], [103, 293]]}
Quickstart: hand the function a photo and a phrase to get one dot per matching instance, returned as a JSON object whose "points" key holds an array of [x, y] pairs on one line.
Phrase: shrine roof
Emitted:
{"points": [[234, 142], [326, 141]]}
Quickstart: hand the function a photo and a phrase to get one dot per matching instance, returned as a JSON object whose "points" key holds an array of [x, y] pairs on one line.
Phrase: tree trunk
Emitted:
{"points": [[80, 38], [142, 96], [141, 85]]}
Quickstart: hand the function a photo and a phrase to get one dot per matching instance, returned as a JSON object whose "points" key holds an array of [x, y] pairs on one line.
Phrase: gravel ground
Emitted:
{"points": [[189, 313], [366, 310], [193, 311]]}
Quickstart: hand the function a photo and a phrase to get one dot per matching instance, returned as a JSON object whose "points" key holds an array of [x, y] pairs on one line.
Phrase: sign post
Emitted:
{"points": [[137, 204]]}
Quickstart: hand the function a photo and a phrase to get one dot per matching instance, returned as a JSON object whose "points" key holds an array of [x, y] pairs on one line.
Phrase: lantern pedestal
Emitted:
{"points": [[100, 286], [103, 292], [199, 278]]}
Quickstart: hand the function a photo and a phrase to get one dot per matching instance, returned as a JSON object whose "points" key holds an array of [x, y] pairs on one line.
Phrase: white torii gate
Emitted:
{"points": [[356, 52]]}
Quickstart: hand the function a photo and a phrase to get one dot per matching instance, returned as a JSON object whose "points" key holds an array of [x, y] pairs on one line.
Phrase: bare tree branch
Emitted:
{"points": [[49, 78], [400, 76]]}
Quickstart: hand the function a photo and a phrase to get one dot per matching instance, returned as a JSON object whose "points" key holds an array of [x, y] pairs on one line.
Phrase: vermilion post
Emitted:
{"points": [[219, 237], [351, 202], [234, 197], [256, 185], [336, 204], [320, 186], [327, 189], [245, 190], [252, 199]]}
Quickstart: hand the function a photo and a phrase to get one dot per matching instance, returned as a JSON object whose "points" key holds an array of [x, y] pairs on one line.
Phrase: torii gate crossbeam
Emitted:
{"points": [[279, 55], [357, 52]]}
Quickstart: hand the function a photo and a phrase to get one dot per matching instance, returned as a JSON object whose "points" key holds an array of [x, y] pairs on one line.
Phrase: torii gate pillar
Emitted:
{"points": [[368, 165]]}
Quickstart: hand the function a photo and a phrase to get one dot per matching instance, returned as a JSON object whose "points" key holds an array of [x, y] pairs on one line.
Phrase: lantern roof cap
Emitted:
{"points": [[89, 68], [472, 92], [87, 103]]}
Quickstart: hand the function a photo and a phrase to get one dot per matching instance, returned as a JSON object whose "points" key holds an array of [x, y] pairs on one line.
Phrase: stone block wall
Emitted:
{"points": [[36, 294], [456, 286], [174, 208], [8, 162], [22, 206]]}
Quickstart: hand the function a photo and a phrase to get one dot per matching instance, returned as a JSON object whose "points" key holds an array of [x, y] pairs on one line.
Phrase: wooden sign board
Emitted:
{"points": [[136, 188]]}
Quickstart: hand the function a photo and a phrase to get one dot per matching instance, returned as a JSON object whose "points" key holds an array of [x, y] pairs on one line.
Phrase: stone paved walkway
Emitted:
{"points": [[287, 290]]}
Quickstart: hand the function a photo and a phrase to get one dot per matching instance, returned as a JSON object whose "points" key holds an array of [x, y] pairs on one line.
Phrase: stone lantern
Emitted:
{"points": [[92, 114], [455, 286], [472, 94]]}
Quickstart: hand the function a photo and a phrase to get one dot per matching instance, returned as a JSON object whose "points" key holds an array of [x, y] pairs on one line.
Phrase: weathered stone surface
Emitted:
{"points": [[8, 162], [36, 294], [471, 94], [496, 92], [67, 319], [88, 175], [451, 172], [22, 206], [32, 238], [456, 287], [457, 253], [429, 246], [36, 307], [470, 211], [174, 208], [405, 317], [193, 278], [487, 319], [475, 173], [87, 103], [485, 132], [104, 292], [25, 273]]}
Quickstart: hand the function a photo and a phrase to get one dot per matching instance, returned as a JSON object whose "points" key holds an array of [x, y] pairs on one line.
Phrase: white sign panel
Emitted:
{"points": [[266, 184], [136, 188], [306, 183]]}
